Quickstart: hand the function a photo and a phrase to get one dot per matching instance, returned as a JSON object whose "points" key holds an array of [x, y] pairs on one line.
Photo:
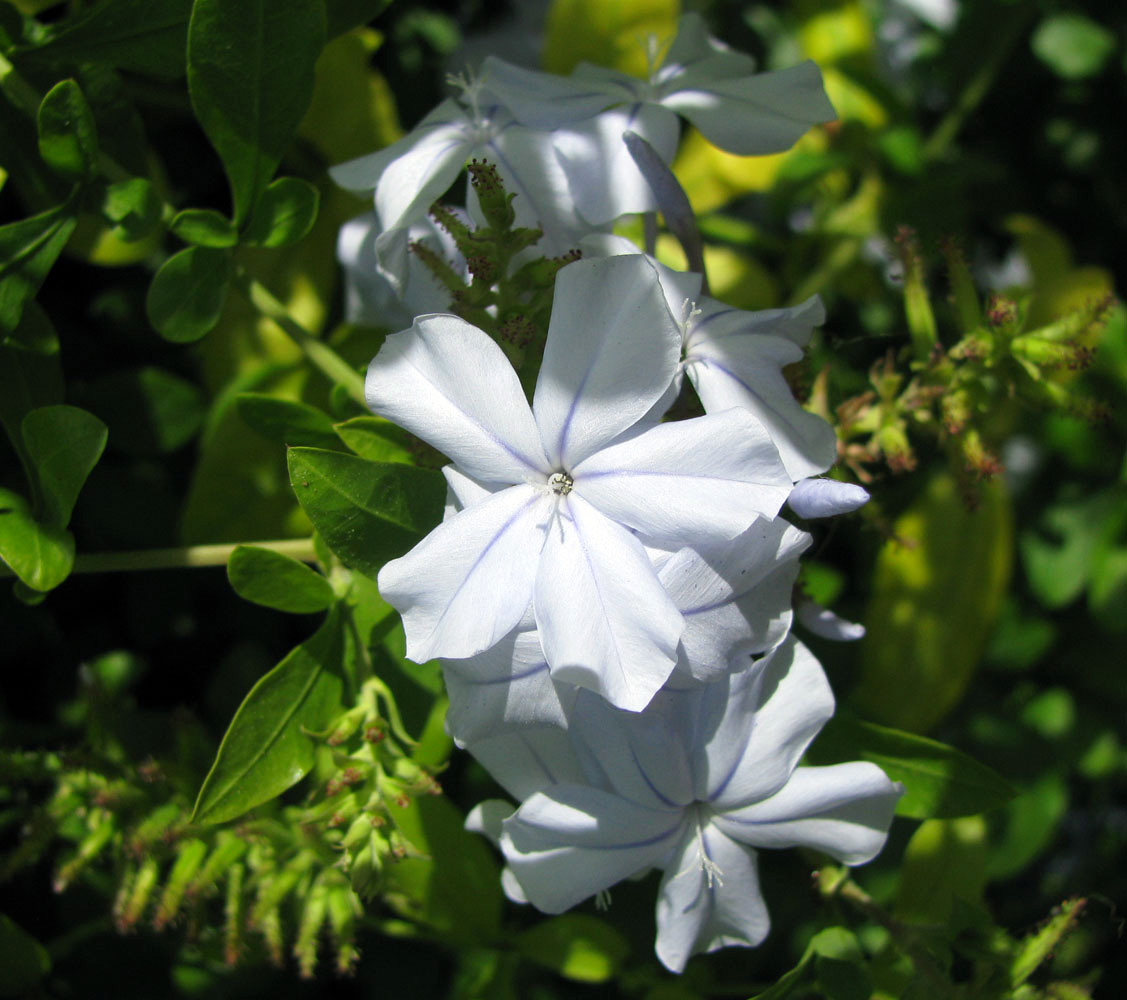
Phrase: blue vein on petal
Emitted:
{"points": [[481, 555], [650, 784], [503, 445], [539, 668]]}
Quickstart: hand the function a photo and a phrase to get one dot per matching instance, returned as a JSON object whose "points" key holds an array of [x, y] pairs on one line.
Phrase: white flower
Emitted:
{"points": [[410, 174], [369, 297], [699, 78], [692, 786], [736, 603], [735, 358], [574, 487]]}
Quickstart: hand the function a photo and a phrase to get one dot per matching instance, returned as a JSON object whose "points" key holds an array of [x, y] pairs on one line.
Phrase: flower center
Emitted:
{"points": [[560, 483]]}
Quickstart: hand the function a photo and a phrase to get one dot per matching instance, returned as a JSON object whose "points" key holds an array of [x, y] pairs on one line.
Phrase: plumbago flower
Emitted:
{"points": [[410, 174], [735, 358], [693, 786], [699, 78], [736, 603], [575, 485]]}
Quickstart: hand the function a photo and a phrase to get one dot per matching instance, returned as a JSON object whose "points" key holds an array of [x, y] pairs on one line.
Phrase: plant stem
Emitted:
{"points": [[182, 558], [978, 85], [320, 354]]}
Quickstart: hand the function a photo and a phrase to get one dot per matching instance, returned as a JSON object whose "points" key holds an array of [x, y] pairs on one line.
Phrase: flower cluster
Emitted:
{"points": [[610, 590]]}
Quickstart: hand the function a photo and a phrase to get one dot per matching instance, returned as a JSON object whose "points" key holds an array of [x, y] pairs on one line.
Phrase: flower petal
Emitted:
{"points": [[844, 810], [754, 115], [428, 160], [695, 56], [737, 599], [611, 352], [462, 491], [531, 169], [704, 479], [701, 908], [466, 585], [530, 760], [545, 100], [450, 384], [605, 621], [746, 372], [571, 841], [605, 181], [504, 687], [638, 755], [755, 726]]}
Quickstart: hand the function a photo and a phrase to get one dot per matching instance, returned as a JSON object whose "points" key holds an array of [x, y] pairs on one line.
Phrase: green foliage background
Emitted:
{"points": [[167, 291]]}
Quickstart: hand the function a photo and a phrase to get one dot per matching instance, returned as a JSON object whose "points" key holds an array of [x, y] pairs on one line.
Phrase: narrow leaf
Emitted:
{"points": [[204, 227], [146, 36], [266, 749], [940, 781], [28, 248], [186, 297], [277, 581], [64, 444], [149, 411], [42, 557], [577, 946], [68, 139], [367, 512], [284, 214], [250, 78]]}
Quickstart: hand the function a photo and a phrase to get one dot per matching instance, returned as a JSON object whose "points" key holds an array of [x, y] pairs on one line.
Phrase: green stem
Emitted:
{"points": [[182, 558], [320, 354], [21, 93], [977, 86]]}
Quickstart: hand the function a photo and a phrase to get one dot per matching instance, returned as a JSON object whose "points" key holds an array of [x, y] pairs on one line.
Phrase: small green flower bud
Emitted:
{"points": [[496, 204], [234, 915], [189, 857], [313, 915]]}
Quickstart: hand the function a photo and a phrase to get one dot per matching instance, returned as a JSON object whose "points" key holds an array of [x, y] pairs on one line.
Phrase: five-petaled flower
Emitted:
{"points": [[576, 488]]}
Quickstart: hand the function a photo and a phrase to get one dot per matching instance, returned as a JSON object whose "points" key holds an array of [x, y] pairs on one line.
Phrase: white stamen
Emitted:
{"points": [[470, 86], [602, 899]]}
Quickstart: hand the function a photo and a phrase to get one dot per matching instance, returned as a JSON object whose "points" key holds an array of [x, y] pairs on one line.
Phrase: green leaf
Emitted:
{"points": [[277, 581], [1072, 46], [944, 860], [28, 249], [204, 227], [64, 444], [1029, 826], [132, 208], [68, 138], [577, 946], [186, 297], [145, 36], [376, 439], [30, 375], [841, 979], [41, 556], [367, 512], [609, 35], [939, 781], [250, 78], [266, 749], [1040, 946], [286, 421], [937, 589], [344, 15], [284, 214], [23, 960], [149, 411]]}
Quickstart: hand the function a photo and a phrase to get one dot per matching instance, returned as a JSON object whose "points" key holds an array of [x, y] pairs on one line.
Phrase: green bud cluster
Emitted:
{"points": [[512, 303], [949, 392], [285, 879]]}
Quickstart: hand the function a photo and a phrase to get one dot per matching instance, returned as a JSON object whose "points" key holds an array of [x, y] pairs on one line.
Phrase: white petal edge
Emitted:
{"points": [[449, 383], [466, 585]]}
